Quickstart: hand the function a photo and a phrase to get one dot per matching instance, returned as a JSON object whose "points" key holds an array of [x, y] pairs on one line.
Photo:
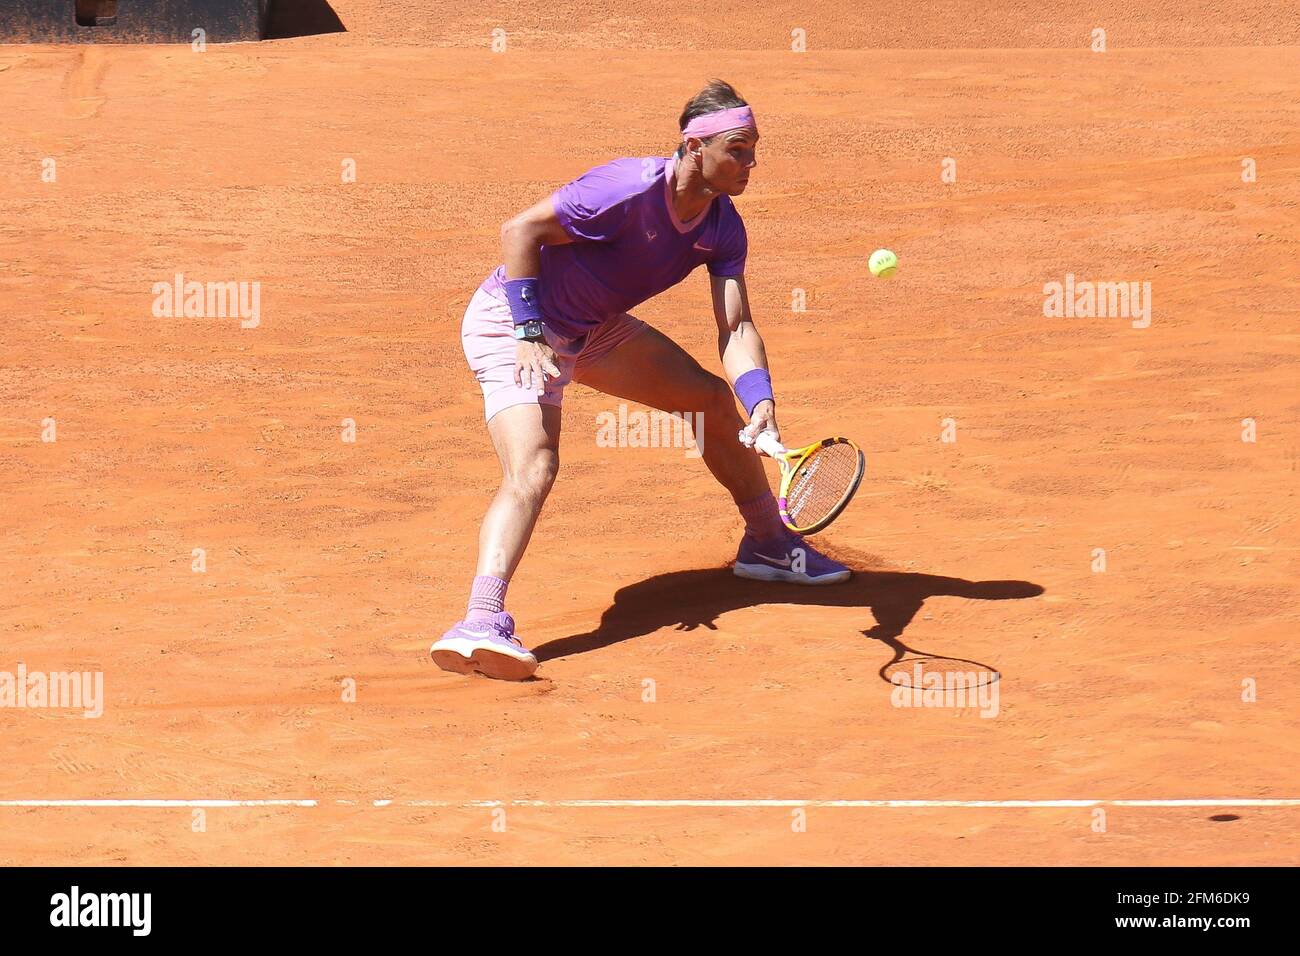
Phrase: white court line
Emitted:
{"points": [[157, 803], [701, 804]]}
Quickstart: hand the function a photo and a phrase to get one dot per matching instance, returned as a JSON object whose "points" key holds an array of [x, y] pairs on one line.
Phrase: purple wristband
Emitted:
{"points": [[753, 387], [522, 296]]}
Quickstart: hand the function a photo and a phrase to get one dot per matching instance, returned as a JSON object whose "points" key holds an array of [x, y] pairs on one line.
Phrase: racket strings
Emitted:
{"points": [[821, 482]]}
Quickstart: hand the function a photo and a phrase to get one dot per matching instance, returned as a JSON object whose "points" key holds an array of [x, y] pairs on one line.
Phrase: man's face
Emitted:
{"points": [[728, 159]]}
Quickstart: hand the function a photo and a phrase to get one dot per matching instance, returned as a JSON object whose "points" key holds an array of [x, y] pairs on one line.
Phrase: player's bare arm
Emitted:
{"points": [[522, 238], [740, 346]]}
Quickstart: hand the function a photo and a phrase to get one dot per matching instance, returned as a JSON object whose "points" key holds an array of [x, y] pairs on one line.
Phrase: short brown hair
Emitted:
{"points": [[716, 95]]}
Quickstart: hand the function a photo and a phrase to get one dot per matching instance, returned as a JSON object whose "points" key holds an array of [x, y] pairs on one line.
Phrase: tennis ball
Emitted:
{"points": [[882, 263]]}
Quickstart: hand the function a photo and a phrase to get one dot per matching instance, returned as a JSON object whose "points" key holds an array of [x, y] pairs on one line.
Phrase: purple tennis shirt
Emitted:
{"points": [[628, 244]]}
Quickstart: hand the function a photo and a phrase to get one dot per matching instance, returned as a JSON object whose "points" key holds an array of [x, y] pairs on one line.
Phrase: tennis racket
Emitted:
{"points": [[817, 482]]}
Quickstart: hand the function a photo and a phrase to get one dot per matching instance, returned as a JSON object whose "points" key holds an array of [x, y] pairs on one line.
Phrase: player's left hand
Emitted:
{"points": [[762, 420]]}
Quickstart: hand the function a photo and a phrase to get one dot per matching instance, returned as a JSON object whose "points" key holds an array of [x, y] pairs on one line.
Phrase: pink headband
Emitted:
{"points": [[711, 124]]}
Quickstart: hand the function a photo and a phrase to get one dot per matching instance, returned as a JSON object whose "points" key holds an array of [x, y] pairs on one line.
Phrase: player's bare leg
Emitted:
{"points": [[653, 370], [527, 442]]}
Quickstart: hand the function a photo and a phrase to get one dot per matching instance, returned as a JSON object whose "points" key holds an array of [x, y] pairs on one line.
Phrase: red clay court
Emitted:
{"points": [[1165, 673]]}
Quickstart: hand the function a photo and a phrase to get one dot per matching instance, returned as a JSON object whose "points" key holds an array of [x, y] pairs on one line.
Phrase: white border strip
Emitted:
{"points": [[1204, 802]]}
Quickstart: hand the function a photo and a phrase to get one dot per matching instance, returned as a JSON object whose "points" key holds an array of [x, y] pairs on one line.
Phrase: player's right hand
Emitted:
{"points": [[762, 419], [534, 364]]}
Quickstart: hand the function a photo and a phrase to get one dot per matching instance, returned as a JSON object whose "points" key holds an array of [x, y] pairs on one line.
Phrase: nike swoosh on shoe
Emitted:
{"points": [[783, 562]]}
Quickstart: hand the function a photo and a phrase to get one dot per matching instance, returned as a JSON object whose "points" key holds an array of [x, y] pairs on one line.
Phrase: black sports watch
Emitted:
{"points": [[530, 331]]}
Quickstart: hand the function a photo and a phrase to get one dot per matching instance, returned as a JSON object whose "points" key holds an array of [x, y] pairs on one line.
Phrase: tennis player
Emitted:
{"points": [[557, 311]]}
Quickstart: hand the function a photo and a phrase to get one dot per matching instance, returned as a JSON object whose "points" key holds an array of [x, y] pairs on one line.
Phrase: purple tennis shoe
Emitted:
{"points": [[488, 647], [789, 558]]}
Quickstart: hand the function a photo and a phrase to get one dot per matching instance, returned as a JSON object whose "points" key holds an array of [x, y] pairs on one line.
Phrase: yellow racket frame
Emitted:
{"points": [[789, 460]]}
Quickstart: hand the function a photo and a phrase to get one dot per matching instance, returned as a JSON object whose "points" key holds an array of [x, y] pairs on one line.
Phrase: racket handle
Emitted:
{"points": [[767, 443]]}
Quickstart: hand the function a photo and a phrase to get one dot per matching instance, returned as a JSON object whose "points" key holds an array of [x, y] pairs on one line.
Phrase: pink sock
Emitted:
{"points": [[762, 519], [487, 596]]}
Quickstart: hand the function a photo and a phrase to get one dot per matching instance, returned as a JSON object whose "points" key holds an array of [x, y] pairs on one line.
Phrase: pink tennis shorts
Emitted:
{"points": [[487, 336]]}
